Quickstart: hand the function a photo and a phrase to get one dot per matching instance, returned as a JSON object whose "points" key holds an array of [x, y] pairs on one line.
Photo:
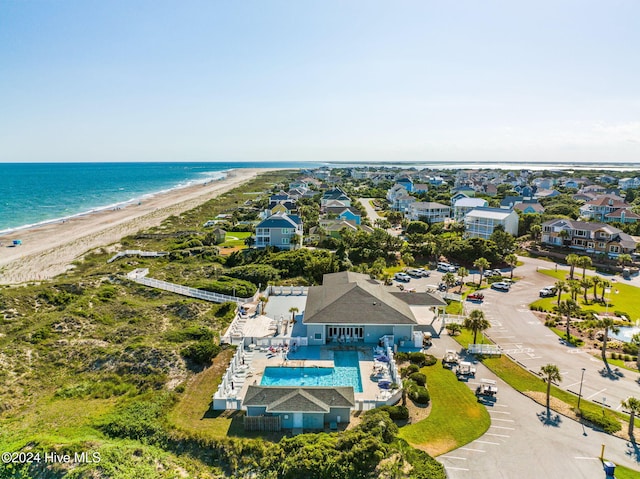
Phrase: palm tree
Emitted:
{"points": [[535, 231], [449, 279], [605, 284], [512, 261], [561, 286], [574, 288], [481, 264], [624, 259], [608, 323], [476, 322], [263, 303], [462, 274], [564, 235], [596, 281], [586, 283], [633, 406], [584, 262], [551, 373], [572, 260], [293, 310], [568, 308]]}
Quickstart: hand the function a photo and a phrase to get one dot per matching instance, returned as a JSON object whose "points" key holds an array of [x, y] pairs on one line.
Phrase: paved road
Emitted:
{"points": [[373, 215], [523, 442]]}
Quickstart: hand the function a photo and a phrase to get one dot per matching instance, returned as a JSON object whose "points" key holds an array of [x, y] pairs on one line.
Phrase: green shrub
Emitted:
{"points": [[419, 378], [630, 348], [608, 423], [228, 285], [201, 352], [419, 394], [418, 358], [412, 368], [397, 413], [191, 333], [430, 360], [401, 357], [255, 273], [141, 420]]}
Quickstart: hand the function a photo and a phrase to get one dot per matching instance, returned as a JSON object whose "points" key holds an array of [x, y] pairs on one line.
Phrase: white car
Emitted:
{"points": [[446, 267], [404, 277], [548, 292], [425, 273], [501, 286]]}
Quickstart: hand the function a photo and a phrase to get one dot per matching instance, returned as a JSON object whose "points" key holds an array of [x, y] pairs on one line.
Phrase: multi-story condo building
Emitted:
{"points": [[428, 212], [462, 206], [481, 222]]}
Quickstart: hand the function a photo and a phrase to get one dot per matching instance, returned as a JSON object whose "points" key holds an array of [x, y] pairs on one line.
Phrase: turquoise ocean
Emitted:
{"points": [[37, 193]]}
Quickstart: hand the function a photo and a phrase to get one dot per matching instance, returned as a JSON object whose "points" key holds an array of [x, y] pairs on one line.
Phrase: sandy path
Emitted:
{"points": [[48, 250]]}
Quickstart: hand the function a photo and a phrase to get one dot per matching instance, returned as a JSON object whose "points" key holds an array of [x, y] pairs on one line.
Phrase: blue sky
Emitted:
{"points": [[319, 80]]}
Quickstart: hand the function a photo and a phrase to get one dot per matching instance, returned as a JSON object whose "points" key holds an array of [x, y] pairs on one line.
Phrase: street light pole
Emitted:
{"points": [[580, 393]]}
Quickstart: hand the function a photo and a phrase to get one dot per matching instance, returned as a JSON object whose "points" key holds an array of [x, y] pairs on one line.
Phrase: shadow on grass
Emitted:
{"points": [[547, 418]]}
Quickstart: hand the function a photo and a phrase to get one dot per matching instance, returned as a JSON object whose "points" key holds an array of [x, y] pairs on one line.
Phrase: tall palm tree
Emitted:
{"points": [[609, 324], [551, 373], [596, 281], [568, 308], [633, 406], [462, 274], [512, 261], [476, 322], [481, 264], [604, 284], [561, 286], [584, 262], [293, 310], [586, 283], [574, 288], [572, 260]]}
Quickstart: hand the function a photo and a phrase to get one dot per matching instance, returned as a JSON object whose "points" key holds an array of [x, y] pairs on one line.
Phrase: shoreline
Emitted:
{"points": [[114, 206], [48, 250]]}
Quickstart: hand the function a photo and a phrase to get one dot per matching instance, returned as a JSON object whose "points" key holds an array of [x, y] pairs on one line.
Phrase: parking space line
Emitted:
{"points": [[488, 442], [496, 435], [587, 458], [504, 420], [499, 412], [457, 469], [454, 457], [471, 449], [596, 393], [503, 427]]}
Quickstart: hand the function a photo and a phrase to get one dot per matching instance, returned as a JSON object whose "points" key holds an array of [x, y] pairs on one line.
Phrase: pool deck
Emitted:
{"points": [[258, 360]]}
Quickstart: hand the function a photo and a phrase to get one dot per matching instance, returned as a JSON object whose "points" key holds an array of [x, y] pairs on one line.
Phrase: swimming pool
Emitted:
{"points": [[346, 372]]}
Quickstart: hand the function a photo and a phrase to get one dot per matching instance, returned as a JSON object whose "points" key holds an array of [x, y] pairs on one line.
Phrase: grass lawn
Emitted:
{"points": [[626, 473], [456, 417], [235, 238], [623, 297]]}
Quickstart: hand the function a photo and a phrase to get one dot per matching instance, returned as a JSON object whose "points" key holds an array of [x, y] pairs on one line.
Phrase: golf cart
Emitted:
{"points": [[487, 390], [465, 370], [450, 359]]}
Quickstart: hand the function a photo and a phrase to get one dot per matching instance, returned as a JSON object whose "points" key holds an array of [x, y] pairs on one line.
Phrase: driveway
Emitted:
{"points": [[373, 215]]}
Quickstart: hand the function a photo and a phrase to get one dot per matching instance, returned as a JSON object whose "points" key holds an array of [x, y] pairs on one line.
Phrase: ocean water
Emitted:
{"points": [[36, 193]]}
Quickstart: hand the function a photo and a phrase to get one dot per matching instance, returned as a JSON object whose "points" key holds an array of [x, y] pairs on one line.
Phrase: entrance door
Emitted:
{"points": [[297, 420]]}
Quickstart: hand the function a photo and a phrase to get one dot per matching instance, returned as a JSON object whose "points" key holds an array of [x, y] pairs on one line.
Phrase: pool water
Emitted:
{"points": [[346, 372]]}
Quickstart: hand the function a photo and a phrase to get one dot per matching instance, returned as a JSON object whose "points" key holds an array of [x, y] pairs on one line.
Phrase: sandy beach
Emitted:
{"points": [[48, 250]]}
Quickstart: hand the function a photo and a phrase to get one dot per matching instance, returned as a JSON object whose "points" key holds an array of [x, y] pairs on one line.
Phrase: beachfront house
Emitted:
{"points": [[301, 407], [351, 307], [464, 204], [427, 211], [280, 230]]}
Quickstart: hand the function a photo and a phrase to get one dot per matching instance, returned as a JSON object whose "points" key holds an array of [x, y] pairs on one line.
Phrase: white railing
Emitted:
{"points": [[137, 252], [485, 349], [140, 277], [453, 318], [288, 290], [237, 373]]}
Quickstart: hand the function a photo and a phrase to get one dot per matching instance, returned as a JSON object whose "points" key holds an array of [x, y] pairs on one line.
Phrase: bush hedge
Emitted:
{"points": [[608, 423], [419, 394], [397, 413], [419, 378]]}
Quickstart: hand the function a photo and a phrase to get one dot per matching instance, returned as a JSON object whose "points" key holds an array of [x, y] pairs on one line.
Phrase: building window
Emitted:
{"points": [[285, 240], [318, 336], [614, 249]]}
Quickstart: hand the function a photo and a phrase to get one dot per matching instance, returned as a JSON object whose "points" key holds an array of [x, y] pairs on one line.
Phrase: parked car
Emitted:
{"points": [[425, 273], [446, 267], [501, 286], [548, 292], [404, 277], [414, 273], [475, 297]]}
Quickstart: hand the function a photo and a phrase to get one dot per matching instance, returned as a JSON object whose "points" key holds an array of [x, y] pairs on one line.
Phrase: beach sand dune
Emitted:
{"points": [[49, 250]]}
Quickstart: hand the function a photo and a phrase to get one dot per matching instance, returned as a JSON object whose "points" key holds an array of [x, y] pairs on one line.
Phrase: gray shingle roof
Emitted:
{"points": [[354, 298], [287, 399]]}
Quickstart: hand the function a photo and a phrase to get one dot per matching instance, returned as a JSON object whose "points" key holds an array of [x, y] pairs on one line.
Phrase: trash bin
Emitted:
{"points": [[609, 468]]}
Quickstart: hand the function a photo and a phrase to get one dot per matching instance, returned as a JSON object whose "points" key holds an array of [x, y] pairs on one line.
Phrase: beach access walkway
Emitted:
{"points": [[139, 275], [137, 252]]}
